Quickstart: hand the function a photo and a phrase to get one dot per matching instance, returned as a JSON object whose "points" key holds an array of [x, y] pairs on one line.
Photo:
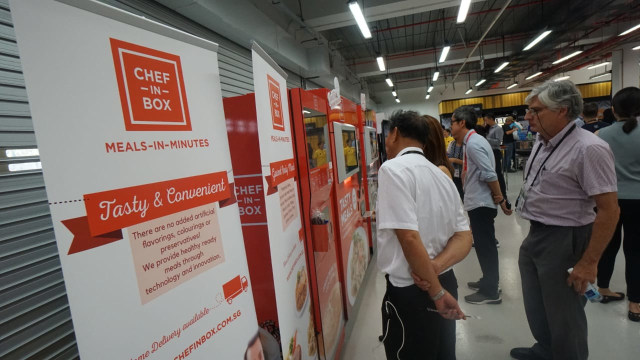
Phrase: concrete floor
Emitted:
{"points": [[501, 327]]}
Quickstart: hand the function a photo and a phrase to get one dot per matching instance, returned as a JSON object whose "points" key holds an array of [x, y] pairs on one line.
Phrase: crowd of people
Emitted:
{"points": [[441, 190]]}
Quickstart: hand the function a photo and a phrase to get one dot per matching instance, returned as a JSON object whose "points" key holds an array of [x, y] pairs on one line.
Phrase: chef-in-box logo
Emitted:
{"points": [[276, 104], [151, 88]]}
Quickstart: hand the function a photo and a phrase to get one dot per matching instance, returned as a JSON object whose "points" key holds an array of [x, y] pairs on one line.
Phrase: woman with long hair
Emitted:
{"points": [[434, 148], [623, 138]]}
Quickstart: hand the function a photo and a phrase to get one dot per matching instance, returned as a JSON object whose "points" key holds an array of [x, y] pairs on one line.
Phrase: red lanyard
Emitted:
{"points": [[464, 143]]}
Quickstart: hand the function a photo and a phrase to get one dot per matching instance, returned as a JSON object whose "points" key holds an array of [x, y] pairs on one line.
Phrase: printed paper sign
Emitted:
{"points": [[276, 103], [136, 164], [151, 88]]}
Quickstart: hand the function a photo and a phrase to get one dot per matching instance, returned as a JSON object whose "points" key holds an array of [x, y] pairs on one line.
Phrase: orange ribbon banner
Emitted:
{"points": [[281, 171]]}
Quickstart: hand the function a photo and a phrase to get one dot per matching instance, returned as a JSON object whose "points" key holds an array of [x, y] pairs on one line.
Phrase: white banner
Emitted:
{"points": [[284, 221], [129, 123]]}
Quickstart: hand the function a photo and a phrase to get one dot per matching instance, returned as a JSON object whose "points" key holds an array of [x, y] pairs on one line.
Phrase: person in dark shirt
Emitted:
{"points": [[591, 122], [510, 144], [608, 117]]}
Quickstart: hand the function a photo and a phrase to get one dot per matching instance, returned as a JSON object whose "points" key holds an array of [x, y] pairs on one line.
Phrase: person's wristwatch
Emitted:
{"points": [[501, 201], [439, 295]]}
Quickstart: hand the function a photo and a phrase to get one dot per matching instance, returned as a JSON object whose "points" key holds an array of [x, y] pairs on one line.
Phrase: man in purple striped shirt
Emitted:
{"points": [[571, 172]]}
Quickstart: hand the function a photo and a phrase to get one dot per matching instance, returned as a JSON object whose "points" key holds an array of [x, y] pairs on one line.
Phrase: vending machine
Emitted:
{"points": [[348, 195], [370, 163], [310, 117]]}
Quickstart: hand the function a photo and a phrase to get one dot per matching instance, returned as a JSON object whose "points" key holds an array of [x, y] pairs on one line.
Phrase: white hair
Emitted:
{"points": [[558, 94]]}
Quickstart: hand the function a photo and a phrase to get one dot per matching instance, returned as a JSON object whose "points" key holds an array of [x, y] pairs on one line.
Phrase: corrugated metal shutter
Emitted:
{"points": [[35, 321]]}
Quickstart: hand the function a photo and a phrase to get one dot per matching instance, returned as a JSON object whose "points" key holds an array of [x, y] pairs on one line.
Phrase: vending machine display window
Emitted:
{"points": [[347, 154], [317, 134], [370, 145]]}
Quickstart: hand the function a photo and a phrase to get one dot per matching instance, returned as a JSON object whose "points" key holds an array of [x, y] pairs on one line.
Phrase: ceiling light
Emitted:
{"points": [[388, 80], [630, 30], [380, 61], [362, 23], [636, 48], [480, 82], [464, 9], [435, 75], [512, 86], [599, 65], [428, 96], [397, 100], [534, 75], [504, 64], [562, 78], [567, 57], [306, 112], [21, 152], [469, 91], [599, 75], [445, 52], [394, 93], [537, 40], [430, 88]]}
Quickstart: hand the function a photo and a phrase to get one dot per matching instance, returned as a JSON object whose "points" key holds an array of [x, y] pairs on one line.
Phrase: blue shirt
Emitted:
{"points": [[480, 171], [627, 158]]}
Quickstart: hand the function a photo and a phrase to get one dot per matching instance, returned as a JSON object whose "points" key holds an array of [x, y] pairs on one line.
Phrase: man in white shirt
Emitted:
{"points": [[421, 230]]}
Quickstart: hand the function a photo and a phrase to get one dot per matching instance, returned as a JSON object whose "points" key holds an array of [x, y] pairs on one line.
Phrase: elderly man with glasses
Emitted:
{"points": [[571, 172]]}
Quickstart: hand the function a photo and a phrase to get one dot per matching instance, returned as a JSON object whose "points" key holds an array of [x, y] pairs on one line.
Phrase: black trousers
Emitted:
{"points": [[458, 182], [630, 222], [413, 332], [484, 238], [497, 154]]}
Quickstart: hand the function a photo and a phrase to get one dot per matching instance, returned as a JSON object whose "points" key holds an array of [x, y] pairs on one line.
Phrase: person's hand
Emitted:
{"points": [[506, 211], [448, 307], [583, 273], [497, 198]]}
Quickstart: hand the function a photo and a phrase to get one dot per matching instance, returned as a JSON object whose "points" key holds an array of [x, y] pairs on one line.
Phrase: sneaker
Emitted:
{"points": [[480, 298], [475, 285]]}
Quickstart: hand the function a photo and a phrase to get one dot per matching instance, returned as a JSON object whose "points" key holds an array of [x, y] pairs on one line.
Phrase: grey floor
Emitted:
{"points": [[504, 326]]}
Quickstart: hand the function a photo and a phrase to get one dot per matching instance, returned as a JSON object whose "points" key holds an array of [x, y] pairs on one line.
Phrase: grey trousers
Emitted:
{"points": [[555, 312]]}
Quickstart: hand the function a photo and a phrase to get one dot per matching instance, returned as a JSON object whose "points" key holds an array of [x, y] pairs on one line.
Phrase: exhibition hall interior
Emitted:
{"points": [[217, 179]]}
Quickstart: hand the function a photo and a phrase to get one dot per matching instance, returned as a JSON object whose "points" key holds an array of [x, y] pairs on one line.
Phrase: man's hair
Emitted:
{"points": [[468, 115], [590, 110], [410, 125], [489, 115], [558, 94]]}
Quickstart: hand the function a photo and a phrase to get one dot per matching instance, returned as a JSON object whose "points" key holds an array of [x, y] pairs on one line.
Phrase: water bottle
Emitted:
{"points": [[592, 294]]}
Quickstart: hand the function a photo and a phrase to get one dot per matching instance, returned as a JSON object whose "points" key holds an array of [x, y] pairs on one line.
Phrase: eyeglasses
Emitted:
{"points": [[534, 111]]}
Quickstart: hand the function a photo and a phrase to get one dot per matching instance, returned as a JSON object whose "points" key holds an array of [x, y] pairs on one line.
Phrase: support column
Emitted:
{"points": [[625, 68]]}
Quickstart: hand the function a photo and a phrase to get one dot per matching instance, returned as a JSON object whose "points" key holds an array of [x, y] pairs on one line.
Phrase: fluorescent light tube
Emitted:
{"points": [[567, 57], [599, 65], [428, 96], [512, 86], [388, 80], [380, 60], [394, 93], [362, 23], [480, 82], [25, 166], [630, 30], [430, 88], [504, 65], [306, 112], [636, 48], [534, 75], [469, 91], [463, 10], [397, 100], [537, 40], [599, 75], [445, 52], [436, 75], [562, 78], [11, 153]]}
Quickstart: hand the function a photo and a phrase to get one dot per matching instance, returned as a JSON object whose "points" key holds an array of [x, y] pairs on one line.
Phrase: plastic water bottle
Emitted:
{"points": [[592, 294]]}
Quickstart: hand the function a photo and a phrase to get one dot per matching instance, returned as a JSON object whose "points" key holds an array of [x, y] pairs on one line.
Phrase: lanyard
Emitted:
{"points": [[413, 152], [548, 156]]}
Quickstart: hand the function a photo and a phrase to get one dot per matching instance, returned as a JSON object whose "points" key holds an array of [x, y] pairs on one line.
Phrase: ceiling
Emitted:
{"points": [[410, 35]]}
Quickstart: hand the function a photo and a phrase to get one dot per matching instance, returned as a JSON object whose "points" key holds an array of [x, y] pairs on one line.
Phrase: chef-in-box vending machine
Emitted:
{"points": [[348, 197], [312, 140], [370, 163]]}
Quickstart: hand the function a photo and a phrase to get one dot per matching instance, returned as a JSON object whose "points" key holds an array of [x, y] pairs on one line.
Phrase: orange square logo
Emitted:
{"points": [[276, 104], [151, 88]]}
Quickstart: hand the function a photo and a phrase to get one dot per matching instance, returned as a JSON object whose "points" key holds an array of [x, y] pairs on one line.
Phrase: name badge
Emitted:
{"points": [[522, 198], [456, 172]]}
